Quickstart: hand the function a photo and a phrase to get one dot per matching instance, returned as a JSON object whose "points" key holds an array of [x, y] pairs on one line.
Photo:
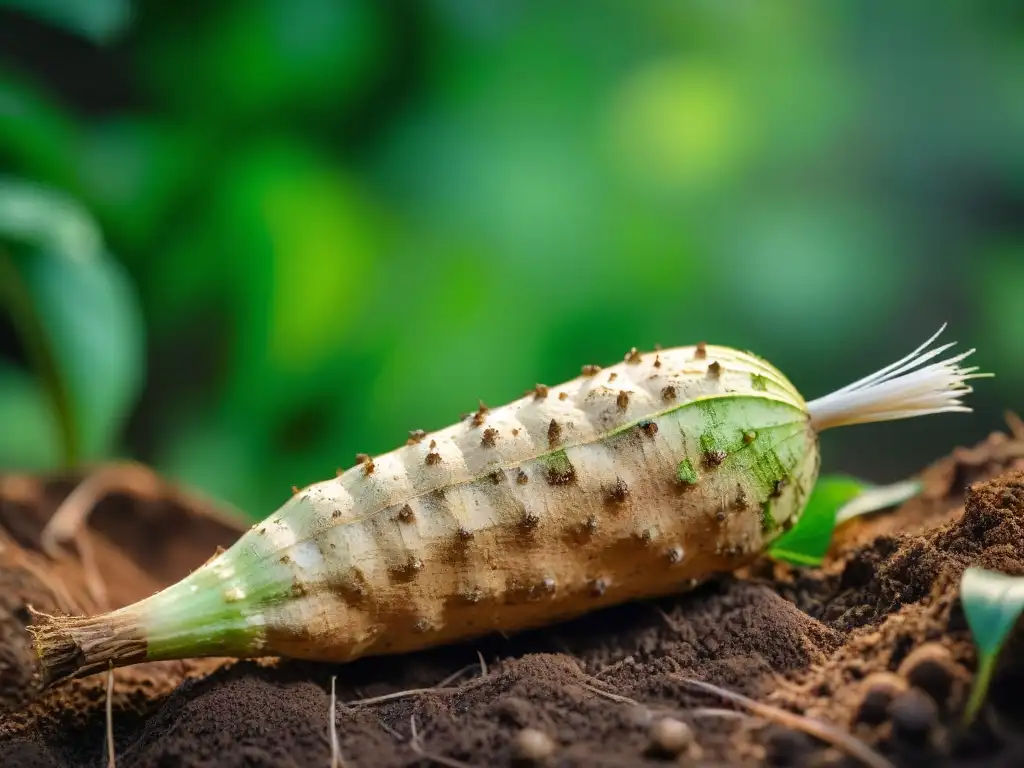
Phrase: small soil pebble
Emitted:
{"points": [[784, 747], [931, 668], [670, 736], [533, 745], [914, 714], [879, 689]]}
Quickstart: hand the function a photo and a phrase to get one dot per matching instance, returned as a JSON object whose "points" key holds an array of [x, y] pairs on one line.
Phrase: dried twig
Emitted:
{"points": [[612, 696], [123, 477], [111, 762], [438, 688], [94, 583], [698, 712], [397, 695], [824, 731], [666, 618], [395, 734], [336, 759], [454, 676], [725, 714], [417, 747]]}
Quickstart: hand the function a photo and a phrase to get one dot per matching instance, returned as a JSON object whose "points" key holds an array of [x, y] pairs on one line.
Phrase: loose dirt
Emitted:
{"points": [[874, 642]]}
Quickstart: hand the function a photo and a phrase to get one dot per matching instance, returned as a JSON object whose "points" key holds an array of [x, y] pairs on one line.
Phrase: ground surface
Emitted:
{"points": [[811, 642]]}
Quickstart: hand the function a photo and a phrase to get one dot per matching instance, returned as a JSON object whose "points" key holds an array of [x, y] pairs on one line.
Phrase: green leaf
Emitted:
{"points": [[835, 500], [30, 438], [992, 604], [97, 20], [37, 138], [77, 313]]}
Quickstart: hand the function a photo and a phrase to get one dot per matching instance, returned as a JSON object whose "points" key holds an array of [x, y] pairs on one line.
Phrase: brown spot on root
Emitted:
{"points": [[433, 444], [561, 475], [668, 394], [339, 472], [715, 370], [590, 524], [422, 626], [490, 438], [590, 370], [622, 400], [515, 432], [612, 376], [598, 587], [674, 554], [778, 488], [646, 536], [657, 361], [295, 490], [285, 559], [336, 514], [554, 433], [619, 492], [563, 395], [481, 414], [532, 520], [714, 458], [405, 514], [540, 392], [408, 569], [633, 357], [415, 436], [464, 533], [362, 458], [701, 351], [649, 428], [432, 459], [496, 477], [522, 478], [740, 502]]}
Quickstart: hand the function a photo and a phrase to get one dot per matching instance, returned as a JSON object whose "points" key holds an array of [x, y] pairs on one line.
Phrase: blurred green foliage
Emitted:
{"points": [[344, 219]]}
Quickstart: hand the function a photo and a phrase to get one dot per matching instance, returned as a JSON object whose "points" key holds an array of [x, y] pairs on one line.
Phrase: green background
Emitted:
{"points": [[323, 223]]}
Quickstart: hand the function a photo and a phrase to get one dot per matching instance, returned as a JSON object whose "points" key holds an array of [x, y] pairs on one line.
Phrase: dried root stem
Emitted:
{"points": [[76, 646]]}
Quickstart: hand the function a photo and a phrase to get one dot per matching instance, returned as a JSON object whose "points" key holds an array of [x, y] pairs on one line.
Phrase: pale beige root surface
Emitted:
{"points": [[564, 501], [518, 516]]}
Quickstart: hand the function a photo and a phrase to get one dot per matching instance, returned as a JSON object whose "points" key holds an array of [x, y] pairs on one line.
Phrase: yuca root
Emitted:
{"points": [[76, 646]]}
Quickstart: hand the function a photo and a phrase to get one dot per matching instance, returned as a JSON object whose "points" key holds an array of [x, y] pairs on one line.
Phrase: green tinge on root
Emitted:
{"points": [[768, 524], [982, 679], [686, 473], [195, 617]]}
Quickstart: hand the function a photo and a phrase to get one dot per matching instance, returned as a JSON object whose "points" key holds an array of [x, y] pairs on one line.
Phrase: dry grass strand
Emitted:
{"points": [[111, 761], [417, 746], [826, 732]]}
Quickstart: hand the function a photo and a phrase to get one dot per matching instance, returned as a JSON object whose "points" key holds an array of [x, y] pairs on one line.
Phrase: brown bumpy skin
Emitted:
{"points": [[627, 482]]}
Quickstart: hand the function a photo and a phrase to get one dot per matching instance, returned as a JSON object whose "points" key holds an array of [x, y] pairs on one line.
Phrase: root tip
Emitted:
{"points": [[75, 646]]}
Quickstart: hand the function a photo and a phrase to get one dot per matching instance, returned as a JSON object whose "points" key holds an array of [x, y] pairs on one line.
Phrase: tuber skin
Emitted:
{"points": [[628, 482]]}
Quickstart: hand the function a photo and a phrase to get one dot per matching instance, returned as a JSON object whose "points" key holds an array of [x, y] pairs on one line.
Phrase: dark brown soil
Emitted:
{"points": [[874, 642]]}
